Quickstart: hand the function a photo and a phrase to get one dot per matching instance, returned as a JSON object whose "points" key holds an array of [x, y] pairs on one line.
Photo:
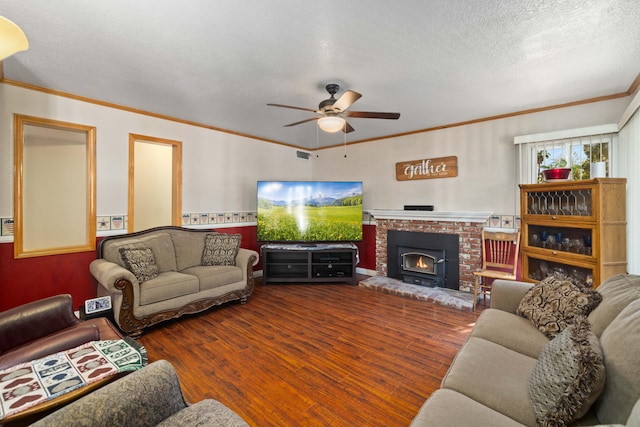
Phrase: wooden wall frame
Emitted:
{"points": [[54, 187]]}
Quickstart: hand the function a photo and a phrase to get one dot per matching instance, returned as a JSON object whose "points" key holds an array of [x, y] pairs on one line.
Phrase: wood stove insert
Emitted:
{"points": [[425, 259]]}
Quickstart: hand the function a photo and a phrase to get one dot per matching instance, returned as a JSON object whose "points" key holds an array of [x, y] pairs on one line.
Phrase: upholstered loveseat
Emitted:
{"points": [[507, 364], [148, 397], [165, 272]]}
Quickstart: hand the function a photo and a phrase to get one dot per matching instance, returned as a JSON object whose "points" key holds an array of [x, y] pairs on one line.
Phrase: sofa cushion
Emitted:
{"points": [[494, 376], [166, 286], [221, 249], [160, 243], [141, 262], [554, 304], [215, 276], [568, 377], [448, 408], [617, 292], [189, 247], [620, 342], [521, 335], [207, 412]]}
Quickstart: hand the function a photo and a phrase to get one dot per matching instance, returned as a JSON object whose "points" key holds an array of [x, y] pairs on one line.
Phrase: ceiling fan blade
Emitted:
{"points": [[295, 108], [372, 115], [348, 128], [345, 101], [303, 121]]}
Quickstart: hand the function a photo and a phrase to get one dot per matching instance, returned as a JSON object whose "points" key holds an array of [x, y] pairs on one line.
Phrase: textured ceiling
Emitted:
{"points": [[219, 63]]}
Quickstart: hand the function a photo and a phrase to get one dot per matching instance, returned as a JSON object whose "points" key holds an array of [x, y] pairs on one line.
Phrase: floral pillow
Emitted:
{"points": [[141, 262], [221, 249], [554, 304]]}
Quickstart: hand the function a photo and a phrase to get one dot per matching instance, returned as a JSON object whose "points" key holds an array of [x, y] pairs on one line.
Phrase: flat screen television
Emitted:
{"points": [[309, 211]]}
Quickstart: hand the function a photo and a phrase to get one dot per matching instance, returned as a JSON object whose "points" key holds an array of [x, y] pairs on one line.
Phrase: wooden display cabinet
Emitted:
{"points": [[574, 228]]}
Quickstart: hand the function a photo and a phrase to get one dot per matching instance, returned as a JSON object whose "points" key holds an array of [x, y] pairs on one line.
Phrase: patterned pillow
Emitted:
{"points": [[568, 377], [140, 262], [554, 304], [220, 249]]}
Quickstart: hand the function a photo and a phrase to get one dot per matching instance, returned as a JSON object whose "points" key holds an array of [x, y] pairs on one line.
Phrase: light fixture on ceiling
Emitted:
{"points": [[331, 124], [12, 38]]}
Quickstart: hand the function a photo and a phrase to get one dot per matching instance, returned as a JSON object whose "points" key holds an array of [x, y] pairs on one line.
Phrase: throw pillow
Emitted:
{"points": [[568, 377], [221, 249], [553, 304], [140, 262]]}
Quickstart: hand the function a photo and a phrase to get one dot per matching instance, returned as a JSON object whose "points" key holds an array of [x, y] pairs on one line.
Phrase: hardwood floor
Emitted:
{"points": [[315, 355]]}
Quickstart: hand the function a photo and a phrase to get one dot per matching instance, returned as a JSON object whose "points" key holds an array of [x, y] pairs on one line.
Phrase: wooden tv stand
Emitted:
{"points": [[313, 263]]}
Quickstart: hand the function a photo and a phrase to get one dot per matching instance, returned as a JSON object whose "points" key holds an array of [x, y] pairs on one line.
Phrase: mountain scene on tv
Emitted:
{"points": [[309, 211]]}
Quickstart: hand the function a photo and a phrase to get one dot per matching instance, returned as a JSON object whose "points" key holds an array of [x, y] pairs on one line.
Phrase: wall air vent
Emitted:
{"points": [[303, 155]]}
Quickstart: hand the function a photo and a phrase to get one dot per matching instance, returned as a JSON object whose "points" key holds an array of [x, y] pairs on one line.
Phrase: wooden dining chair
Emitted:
{"points": [[500, 249]]}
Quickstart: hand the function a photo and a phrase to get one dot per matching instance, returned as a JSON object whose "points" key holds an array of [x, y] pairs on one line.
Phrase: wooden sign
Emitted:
{"points": [[438, 167]]}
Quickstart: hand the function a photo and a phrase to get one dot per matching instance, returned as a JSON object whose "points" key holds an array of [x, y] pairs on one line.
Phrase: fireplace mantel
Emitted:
{"points": [[480, 217]]}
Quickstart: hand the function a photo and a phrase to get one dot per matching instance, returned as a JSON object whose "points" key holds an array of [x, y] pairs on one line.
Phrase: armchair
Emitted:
{"points": [[148, 397], [44, 327]]}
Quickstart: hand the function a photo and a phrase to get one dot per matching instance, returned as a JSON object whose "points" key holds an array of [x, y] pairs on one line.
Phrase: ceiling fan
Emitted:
{"points": [[332, 111]]}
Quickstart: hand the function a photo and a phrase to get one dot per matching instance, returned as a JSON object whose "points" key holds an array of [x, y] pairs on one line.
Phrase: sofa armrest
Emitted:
{"points": [[208, 412], [108, 273], [144, 397], [506, 294], [34, 320], [242, 260]]}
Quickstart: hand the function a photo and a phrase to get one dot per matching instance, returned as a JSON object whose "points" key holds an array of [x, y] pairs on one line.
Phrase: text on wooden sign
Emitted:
{"points": [[438, 167]]}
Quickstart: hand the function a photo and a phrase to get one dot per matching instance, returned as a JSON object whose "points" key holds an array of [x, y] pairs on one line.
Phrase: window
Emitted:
{"points": [[587, 155]]}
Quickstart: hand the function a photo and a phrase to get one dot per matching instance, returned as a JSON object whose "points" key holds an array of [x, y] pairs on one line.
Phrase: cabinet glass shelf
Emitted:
{"points": [[538, 269], [561, 202], [561, 238]]}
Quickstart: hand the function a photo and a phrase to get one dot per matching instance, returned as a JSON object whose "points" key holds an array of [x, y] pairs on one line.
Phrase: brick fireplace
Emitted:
{"points": [[467, 225]]}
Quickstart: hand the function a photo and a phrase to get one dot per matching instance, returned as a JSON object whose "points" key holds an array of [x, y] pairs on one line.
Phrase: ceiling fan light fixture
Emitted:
{"points": [[331, 124], [12, 38]]}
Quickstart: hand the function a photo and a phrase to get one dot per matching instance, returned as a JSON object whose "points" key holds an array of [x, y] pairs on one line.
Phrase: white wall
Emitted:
{"points": [[486, 180], [220, 170], [630, 155]]}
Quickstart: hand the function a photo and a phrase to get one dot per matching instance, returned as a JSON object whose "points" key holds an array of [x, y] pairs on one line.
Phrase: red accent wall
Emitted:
{"points": [[29, 279], [367, 248]]}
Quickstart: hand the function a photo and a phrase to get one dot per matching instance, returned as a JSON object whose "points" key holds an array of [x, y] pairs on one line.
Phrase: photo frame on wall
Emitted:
{"points": [[96, 305]]}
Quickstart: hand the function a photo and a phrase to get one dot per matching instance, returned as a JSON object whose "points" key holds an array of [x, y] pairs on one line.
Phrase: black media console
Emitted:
{"points": [[288, 263]]}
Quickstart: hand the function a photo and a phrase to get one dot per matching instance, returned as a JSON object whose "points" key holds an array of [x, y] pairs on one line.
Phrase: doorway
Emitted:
{"points": [[155, 182]]}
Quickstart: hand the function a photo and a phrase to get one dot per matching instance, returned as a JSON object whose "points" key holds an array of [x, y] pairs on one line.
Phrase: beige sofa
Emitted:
{"points": [[158, 274], [489, 380]]}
